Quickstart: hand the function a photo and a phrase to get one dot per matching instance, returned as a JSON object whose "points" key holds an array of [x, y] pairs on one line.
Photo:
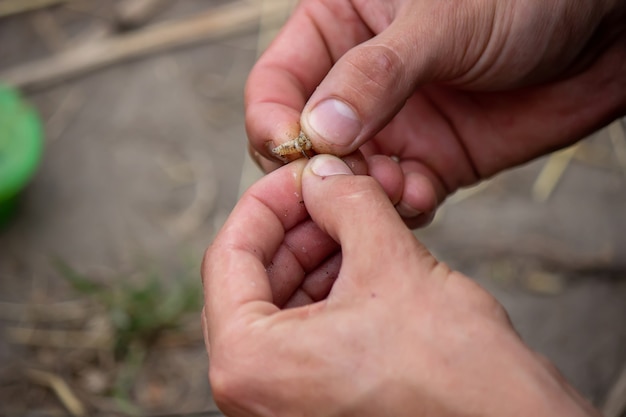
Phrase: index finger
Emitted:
{"points": [[316, 35], [234, 267]]}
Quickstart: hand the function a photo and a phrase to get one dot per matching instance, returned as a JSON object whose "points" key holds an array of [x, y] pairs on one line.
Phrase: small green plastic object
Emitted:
{"points": [[21, 147]]}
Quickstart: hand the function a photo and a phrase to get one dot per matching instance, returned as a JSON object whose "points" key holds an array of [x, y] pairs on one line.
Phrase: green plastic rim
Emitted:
{"points": [[21, 147]]}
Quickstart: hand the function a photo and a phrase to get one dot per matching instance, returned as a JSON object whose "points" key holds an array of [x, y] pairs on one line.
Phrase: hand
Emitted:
{"points": [[456, 91], [377, 326]]}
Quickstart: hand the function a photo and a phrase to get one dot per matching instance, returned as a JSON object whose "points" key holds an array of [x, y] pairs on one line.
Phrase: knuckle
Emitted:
{"points": [[226, 389], [499, 312], [354, 194], [229, 388], [360, 187], [378, 67]]}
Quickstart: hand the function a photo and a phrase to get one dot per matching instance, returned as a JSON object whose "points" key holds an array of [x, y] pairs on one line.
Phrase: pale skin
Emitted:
{"points": [[375, 326], [319, 300], [456, 90]]}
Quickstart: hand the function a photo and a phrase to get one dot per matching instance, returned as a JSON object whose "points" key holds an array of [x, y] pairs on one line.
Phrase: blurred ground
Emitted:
{"points": [[143, 162]]}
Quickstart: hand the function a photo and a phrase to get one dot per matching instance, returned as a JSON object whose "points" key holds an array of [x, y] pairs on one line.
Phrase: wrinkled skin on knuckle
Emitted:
{"points": [[384, 60], [227, 389], [373, 65]]}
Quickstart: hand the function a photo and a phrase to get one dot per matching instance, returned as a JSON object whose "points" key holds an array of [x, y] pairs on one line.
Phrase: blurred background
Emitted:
{"points": [[122, 151]]}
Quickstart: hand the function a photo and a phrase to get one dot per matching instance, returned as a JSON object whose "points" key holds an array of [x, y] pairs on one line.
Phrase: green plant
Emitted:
{"points": [[139, 309]]}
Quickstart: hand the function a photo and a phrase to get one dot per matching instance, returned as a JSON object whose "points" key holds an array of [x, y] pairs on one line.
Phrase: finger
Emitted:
{"points": [[360, 95], [355, 161], [315, 36], [234, 267], [369, 85], [299, 299], [408, 188], [357, 213], [318, 282], [388, 174], [419, 197], [304, 248], [266, 165]]}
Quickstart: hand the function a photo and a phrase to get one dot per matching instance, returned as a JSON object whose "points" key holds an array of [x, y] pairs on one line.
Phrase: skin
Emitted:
{"points": [[302, 320], [455, 91], [319, 300]]}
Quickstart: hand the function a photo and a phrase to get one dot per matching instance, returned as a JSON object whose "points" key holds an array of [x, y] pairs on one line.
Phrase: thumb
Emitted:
{"points": [[355, 211], [364, 90]]}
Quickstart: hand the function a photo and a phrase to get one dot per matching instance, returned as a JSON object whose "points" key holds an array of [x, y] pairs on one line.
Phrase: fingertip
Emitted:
{"points": [[355, 211], [332, 125], [421, 220], [269, 125], [362, 92], [265, 164], [326, 166], [235, 265], [389, 174], [356, 162], [406, 211], [419, 200]]}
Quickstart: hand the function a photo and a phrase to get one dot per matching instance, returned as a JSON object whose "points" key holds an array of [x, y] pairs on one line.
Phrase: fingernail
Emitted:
{"points": [[335, 122], [406, 211], [326, 165]]}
